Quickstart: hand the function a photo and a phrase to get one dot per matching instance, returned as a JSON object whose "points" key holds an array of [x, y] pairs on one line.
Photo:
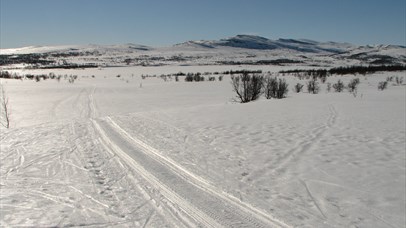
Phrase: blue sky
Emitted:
{"points": [[167, 22]]}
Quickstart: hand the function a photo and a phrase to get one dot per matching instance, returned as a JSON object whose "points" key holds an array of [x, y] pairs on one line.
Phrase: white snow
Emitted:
{"points": [[108, 151]]}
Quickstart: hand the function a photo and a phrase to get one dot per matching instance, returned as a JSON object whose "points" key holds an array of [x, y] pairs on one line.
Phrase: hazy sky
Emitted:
{"points": [[166, 22]]}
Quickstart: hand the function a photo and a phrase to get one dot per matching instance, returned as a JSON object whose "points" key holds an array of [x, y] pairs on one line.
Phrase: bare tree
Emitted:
{"points": [[248, 87], [5, 109]]}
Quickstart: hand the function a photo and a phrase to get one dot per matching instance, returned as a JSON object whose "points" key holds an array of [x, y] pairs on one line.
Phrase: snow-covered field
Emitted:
{"points": [[127, 152]]}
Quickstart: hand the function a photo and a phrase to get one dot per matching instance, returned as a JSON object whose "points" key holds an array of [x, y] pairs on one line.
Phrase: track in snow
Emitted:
{"points": [[194, 196]]}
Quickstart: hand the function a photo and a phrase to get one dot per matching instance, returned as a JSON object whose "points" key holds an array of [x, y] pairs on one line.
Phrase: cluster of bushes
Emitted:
{"points": [[383, 85], [275, 88], [197, 77], [8, 75], [190, 77], [250, 87], [38, 77], [397, 79], [314, 88]]}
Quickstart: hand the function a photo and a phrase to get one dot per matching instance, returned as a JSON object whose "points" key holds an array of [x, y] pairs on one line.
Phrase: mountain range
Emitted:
{"points": [[240, 49]]}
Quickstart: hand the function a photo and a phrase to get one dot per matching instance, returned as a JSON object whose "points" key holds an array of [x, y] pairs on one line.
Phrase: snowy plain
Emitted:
{"points": [[122, 152]]}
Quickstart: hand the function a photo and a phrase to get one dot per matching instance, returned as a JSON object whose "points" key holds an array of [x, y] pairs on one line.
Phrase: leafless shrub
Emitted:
{"points": [[298, 87], [339, 86], [399, 80], [328, 87], [274, 88], [389, 79], [382, 85], [353, 85], [313, 86], [248, 87]]}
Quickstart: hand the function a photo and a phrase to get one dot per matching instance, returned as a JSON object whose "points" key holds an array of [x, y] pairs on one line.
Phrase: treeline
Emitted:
{"points": [[345, 70], [260, 62], [39, 61], [70, 66], [24, 58]]}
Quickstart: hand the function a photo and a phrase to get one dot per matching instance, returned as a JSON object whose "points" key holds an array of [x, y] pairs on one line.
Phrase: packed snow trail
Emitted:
{"points": [[196, 198]]}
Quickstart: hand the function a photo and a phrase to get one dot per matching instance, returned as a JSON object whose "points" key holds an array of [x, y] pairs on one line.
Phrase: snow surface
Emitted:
{"points": [[126, 152]]}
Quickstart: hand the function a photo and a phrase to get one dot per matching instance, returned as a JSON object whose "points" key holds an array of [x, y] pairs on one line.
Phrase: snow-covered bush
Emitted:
{"points": [[248, 87]]}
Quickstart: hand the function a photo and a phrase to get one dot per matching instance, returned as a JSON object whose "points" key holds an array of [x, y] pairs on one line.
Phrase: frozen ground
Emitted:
{"points": [[127, 152]]}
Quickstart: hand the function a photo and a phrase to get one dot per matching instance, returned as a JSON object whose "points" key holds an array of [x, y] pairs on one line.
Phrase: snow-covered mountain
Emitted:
{"points": [[75, 48], [237, 50], [262, 43]]}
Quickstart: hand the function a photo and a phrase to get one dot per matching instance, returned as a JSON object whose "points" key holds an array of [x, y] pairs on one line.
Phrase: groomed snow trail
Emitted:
{"points": [[194, 196]]}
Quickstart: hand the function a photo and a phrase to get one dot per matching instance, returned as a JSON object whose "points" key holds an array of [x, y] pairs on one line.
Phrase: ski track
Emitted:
{"points": [[64, 100], [154, 185], [196, 197], [73, 150]]}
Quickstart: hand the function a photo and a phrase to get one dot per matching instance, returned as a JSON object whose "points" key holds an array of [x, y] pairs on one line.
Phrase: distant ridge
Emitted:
{"points": [[236, 50], [262, 43]]}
